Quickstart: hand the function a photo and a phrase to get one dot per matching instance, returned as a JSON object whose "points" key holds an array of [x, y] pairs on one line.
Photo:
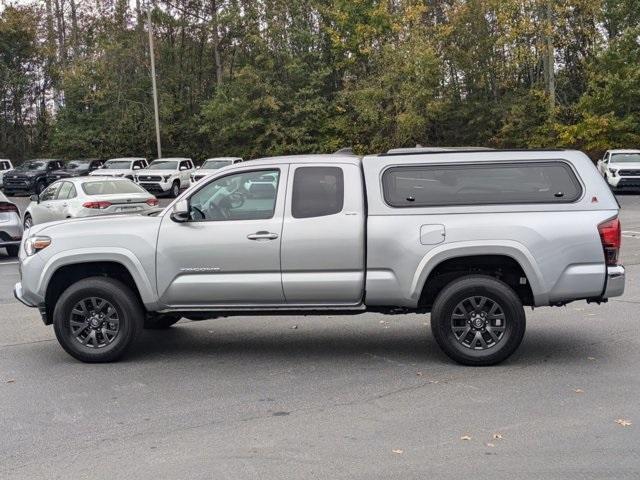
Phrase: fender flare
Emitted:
{"points": [[100, 254], [508, 248]]}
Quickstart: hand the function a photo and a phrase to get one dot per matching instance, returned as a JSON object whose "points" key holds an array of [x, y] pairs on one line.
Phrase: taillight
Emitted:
{"points": [[152, 202], [97, 205], [611, 238], [6, 207]]}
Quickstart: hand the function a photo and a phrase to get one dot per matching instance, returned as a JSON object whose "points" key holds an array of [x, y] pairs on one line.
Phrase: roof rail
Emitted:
{"points": [[437, 150], [420, 149]]}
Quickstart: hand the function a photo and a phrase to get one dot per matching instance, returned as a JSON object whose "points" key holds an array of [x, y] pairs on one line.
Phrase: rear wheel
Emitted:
{"points": [[97, 319], [12, 250], [478, 320]]}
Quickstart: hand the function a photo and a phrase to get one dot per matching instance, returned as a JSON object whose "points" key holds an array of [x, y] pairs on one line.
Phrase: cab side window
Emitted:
{"points": [[317, 192], [184, 165], [241, 196]]}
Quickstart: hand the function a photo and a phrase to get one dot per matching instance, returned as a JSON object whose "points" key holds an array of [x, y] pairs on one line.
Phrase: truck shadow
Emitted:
{"points": [[406, 345]]}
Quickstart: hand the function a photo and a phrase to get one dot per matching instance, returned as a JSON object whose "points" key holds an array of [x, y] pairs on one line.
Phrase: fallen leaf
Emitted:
{"points": [[419, 374], [497, 436], [578, 390], [591, 358], [491, 445], [397, 451], [623, 423], [12, 380], [295, 327], [465, 437]]}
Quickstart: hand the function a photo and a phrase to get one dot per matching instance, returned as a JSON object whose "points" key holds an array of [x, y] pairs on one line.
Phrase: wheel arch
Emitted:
{"points": [[483, 257], [63, 270]]}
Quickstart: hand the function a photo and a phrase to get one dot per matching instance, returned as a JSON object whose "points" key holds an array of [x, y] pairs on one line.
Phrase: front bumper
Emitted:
{"points": [[17, 292], [155, 187], [615, 282], [624, 181]]}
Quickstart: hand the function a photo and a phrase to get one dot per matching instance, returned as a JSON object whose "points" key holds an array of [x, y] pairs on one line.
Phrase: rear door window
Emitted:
{"points": [[65, 191], [480, 184], [317, 192]]}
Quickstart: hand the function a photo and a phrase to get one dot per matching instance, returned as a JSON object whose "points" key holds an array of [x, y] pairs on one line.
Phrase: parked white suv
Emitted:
{"points": [[5, 166], [166, 176], [621, 168], [211, 165], [120, 167]]}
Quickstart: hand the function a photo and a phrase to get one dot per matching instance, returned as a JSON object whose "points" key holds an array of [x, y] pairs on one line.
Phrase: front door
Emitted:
{"points": [[228, 253], [323, 236]]}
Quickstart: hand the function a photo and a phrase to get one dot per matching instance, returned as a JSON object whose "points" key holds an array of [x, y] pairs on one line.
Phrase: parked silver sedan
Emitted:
{"points": [[10, 226], [86, 197]]}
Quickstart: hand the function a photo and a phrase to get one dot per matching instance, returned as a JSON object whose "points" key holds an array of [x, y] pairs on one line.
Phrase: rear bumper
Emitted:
{"points": [[615, 282]]}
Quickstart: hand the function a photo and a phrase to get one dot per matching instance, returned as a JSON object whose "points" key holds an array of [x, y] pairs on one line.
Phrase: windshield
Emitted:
{"points": [[109, 187], [118, 165], [215, 164], [162, 165], [76, 164], [625, 158], [32, 166]]}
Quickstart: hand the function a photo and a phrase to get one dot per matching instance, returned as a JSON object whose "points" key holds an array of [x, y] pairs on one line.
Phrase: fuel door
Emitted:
{"points": [[432, 234]]}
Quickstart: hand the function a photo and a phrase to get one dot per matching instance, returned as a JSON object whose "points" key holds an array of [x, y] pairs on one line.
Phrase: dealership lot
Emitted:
{"points": [[328, 397]]}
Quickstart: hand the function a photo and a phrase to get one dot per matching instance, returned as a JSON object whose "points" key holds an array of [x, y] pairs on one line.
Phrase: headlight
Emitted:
{"points": [[166, 178], [33, 245]]}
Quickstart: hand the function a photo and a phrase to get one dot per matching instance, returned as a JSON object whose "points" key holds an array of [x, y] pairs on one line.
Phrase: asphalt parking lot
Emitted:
{"points": [[331, 397]]}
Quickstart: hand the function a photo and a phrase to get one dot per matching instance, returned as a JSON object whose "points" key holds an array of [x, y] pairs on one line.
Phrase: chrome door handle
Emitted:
{"points": [[262, 236]]}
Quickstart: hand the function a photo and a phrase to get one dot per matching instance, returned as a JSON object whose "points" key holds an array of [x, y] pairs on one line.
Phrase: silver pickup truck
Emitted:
{"points": [[469, 236]]}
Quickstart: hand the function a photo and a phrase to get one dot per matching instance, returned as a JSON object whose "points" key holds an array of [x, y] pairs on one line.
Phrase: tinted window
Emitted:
{"points": [[118, 165], [64, 191], [109, 187], [163, 165], [215, 164], [184, 166], [50, 192], [317, 191], [243, 196], [489, 184], [625, 158]]}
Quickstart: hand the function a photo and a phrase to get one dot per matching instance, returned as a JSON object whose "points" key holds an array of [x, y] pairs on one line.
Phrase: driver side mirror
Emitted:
{"points": [[35, 198], [180, 212]]}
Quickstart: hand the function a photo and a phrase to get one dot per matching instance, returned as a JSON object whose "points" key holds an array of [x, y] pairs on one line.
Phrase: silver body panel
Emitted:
{"points": [[369, 253]]}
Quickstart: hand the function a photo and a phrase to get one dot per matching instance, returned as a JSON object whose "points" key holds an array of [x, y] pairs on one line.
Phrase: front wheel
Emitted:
{"points": [[478, 320], [28, 222], [97, 319], [175, 189]]}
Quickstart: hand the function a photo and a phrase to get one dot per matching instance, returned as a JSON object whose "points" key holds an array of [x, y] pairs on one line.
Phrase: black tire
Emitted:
{"points": [[28, 222], [175, 189], [155, 321], [123, 301], [448, 313], [12, 250], [40, 186]]}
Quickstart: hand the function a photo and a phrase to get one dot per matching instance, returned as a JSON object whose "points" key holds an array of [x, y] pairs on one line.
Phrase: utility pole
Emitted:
{"points": [[153, 80]]}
